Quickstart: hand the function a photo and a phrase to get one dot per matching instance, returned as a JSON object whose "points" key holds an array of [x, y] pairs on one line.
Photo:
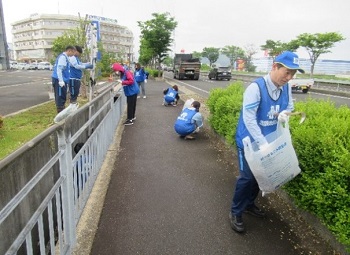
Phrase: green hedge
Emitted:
{"points": [[322, 144], [224, 106], [154, 72]]}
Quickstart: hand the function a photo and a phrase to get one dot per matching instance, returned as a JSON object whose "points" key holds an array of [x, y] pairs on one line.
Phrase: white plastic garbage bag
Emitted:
{"points": [[277, 163], [64, 114], [188, 103]]}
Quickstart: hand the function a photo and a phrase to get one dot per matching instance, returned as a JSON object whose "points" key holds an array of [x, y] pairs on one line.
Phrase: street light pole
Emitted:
{"points": [[4, 53]]}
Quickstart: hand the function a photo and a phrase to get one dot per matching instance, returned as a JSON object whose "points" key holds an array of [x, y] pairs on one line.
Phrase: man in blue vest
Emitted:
{"points": [[76, 73], [265, 102], [60, 77], [189, 122]]}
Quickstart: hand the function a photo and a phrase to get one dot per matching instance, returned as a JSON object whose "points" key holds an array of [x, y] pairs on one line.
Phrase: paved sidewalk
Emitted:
{"points": [[167, 195]]}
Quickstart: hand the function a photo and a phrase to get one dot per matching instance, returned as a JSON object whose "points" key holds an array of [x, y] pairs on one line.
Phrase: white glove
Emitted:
{"points": [[283, 116], [119, 81], [197, 130], [61, 83], [146, 81]]}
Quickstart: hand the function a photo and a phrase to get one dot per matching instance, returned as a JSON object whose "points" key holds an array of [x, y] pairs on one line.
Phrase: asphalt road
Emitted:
{"points": [[21, 89], [204, 85]]}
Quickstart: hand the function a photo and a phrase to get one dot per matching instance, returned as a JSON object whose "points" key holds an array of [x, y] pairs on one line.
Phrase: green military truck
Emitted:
{"points": [[186, 67]]}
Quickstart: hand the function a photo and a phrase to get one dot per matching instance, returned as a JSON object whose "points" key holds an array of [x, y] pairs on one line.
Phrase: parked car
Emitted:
{"points": [[44, 66], [13, 64], [31, 66], [20, 66], [220, 73]]}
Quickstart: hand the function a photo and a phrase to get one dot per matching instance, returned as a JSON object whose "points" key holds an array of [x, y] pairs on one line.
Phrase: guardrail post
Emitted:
{"points": [[68, 217]]}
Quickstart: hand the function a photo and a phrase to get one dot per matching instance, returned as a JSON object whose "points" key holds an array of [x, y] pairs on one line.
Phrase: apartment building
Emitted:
{"points": [[33, 37]]}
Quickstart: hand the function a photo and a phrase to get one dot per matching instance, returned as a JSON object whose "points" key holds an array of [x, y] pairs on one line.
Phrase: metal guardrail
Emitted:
{"points": [[51, 227]]}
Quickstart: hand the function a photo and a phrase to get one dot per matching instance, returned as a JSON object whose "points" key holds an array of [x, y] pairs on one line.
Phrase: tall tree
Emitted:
{"points": [[156, 37], [76, 36], [211, 53], [146, 52], [196, 54], [250, 51], [233, 53], [317, 44], [168, 61], [274, 48]]}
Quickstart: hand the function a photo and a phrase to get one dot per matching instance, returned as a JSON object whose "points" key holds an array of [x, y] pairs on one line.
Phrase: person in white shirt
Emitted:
{"points": [[76, 73], [265, 101]]}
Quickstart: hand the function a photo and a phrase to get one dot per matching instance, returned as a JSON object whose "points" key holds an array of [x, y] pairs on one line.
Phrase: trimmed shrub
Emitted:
{"points": [[225, 105], [322, 144]]}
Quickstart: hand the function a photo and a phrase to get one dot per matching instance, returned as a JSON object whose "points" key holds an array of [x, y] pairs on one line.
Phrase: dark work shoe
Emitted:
{"points": [[255, 211], [236, 223], [189, 137], [128, 122]]}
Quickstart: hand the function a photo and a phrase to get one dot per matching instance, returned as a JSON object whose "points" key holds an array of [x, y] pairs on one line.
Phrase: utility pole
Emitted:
{"points": [[4, 54]]}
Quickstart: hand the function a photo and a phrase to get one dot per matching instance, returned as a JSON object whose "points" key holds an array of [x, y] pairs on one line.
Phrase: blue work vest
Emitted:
{"points": [[266, 114], [130, 90], [183, 124], [139, 75], [170, 95], [74, 72], [65, 71]]}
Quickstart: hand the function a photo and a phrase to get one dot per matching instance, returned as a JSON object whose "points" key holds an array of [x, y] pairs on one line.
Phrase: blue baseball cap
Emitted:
{"points": [[289, 60]]}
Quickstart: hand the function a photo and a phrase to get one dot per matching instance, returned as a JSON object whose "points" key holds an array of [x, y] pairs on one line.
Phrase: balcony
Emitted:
{"points": [[26, 47], [23, 39]]}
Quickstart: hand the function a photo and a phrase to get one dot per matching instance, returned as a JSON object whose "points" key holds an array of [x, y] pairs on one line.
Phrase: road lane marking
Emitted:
{"points": [[19, 84], [186, 84]]}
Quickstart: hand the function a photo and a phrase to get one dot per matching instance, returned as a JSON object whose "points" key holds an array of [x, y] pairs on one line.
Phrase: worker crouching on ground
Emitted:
{"points": [[171, 96], [189, 122]]}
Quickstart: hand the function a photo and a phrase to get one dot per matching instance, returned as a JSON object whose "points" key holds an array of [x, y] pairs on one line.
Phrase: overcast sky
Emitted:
{"points": [[210, 23]]}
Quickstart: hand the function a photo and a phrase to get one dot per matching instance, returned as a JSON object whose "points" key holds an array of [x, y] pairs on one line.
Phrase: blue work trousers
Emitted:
{"points": [[74, 88], [60, 94], [247, 189]]}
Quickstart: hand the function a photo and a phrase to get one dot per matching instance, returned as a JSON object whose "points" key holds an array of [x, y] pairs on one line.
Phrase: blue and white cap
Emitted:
{"points": [[289, 60]]}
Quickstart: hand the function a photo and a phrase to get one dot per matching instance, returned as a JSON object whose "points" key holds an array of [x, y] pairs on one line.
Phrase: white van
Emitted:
{"points": [[13, 64]]}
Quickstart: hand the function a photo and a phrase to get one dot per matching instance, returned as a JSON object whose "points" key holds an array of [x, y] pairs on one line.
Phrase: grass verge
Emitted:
{"points": [[21, 128]]}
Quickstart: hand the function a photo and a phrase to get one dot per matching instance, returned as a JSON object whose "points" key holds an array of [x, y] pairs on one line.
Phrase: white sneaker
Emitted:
{"points": [[138, 96], [144, 97]]}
